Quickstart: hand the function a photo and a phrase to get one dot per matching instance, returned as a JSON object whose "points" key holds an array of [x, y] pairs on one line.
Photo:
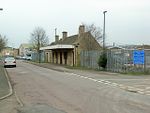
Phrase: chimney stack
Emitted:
{"points": [[56, 38], [64, 35], [81, 29]]}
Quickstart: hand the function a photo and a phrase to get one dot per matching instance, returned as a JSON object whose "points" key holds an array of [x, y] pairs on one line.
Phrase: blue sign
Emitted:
{"points": [[138, 56]]}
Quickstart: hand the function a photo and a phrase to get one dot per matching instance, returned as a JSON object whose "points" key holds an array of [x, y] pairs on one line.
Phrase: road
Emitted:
{"points": [[38, 88]]}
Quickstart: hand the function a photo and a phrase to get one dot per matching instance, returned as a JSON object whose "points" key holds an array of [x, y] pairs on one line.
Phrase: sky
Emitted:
{"points": [[127, 21]]}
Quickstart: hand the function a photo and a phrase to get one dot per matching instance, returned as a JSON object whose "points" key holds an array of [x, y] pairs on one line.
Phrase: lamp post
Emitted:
{"points": [[104, 31]]}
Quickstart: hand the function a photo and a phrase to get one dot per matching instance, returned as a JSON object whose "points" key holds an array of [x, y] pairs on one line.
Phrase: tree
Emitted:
{"points": [[94, 30], [39, 38], [3, 42]]}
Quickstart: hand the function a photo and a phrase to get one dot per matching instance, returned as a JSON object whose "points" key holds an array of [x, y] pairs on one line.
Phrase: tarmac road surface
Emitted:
{"points": [[42, 89]]}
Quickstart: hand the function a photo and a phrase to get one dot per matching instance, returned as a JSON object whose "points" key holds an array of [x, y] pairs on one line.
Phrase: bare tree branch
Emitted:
{"points": [[3, 42], [39, 38], [94, 30]]}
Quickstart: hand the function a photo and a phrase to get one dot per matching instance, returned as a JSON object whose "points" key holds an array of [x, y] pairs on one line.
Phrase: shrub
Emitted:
{"points": [[102, 61]]}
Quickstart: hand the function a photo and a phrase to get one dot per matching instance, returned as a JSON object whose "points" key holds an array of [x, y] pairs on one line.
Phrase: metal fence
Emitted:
{"points": [[38, 57], [122, 60], [89, 59], [118, 60]]}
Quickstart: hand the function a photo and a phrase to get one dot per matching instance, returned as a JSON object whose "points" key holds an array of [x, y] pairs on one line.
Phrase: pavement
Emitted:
{"points": [[5, 86]]}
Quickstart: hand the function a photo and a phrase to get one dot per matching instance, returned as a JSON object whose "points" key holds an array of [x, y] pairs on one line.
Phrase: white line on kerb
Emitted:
{"points": [[18, 99], [9, 84]]}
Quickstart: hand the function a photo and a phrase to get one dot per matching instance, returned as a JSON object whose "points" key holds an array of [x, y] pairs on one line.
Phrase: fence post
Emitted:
{"points": [[144, 61]]}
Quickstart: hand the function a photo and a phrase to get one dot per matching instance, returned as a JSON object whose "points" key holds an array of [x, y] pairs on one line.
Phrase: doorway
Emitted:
{"points": [[60, 57], [65, 57]]}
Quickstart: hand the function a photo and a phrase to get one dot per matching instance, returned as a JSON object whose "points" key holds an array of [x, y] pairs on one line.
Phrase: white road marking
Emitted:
{"points": [[141, 92], [124, 79], [86, 77], [23, 72], [108, 82], [147, 92], [113, 84], [99, 81], [138, 89], [147, 88]]}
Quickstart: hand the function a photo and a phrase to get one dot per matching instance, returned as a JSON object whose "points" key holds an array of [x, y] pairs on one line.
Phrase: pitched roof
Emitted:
{"points": [[68, 40], [26, 45], [85, 40], [144, 46]]}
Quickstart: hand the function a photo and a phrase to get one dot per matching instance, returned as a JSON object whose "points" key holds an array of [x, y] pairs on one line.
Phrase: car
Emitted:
{"points": [[28, 58], [9, 61]]}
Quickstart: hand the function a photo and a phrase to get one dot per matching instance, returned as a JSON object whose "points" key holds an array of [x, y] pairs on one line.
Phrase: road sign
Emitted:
{"points": [[138, 56]]}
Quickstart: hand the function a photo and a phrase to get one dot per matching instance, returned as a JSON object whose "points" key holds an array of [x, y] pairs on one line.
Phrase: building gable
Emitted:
{"points": [[87, 42]]}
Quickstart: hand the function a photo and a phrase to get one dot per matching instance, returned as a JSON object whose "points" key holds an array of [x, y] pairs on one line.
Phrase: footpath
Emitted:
{"points": [[63, 68], [5, 86]]}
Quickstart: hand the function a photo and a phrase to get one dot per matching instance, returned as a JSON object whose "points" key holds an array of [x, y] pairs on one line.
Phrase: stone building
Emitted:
{"points": [[67, 50], [9, 51]]}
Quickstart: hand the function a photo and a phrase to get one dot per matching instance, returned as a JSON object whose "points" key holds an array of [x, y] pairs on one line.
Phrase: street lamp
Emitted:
{"points": [[104, 31]]}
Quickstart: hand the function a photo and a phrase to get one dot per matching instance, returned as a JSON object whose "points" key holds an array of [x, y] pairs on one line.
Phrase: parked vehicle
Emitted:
{"points": [[9, 61], [28, 58]]}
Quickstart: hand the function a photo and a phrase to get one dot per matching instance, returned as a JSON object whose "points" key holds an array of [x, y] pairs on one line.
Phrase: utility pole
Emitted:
{"points": [[104, 32], [39, 54]]}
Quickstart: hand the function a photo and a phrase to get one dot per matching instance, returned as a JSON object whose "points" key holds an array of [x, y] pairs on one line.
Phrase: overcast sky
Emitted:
{"points": [[127, 21]]}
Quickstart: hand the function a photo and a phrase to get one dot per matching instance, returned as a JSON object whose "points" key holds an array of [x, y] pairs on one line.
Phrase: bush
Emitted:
{"points": [[102, 61]]}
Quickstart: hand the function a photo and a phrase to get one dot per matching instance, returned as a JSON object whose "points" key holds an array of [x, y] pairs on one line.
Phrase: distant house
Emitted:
{"points": [[25, 49], [16, 52], [131, 47], [9, 51], [67, 49], [143, 47]]}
